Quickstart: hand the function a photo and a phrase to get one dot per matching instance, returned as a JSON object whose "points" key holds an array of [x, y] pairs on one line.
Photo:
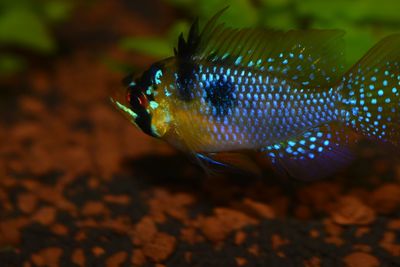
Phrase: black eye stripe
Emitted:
{"points": [[127, 80]]}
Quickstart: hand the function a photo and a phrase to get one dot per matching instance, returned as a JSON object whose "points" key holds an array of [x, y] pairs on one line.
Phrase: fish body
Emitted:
{"points": [[282, 94]]}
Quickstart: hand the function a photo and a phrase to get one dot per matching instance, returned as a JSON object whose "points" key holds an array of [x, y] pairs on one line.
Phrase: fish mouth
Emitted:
{"points": [[118, 99], [140, 118]]}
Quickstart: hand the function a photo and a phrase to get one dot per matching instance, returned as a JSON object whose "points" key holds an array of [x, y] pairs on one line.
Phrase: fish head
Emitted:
{"points": [[141, 102]]}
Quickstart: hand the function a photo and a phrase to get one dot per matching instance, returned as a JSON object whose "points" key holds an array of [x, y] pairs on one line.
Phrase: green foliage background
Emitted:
{"points": [[25, 24], [365, 21]]}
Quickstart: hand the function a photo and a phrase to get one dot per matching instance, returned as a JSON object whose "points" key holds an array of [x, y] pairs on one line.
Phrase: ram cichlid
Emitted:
{"points": [[284, 95]]}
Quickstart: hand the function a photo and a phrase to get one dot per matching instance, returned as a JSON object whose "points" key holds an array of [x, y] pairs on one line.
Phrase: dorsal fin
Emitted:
{"points": [[313, 58]]}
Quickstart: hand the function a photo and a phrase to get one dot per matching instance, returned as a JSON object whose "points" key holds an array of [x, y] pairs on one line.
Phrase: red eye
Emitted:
{"points": [[143, 100]]}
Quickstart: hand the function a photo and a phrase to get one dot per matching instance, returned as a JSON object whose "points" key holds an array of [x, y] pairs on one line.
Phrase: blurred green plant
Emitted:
{"points": [[365, 21], [25, 24]]}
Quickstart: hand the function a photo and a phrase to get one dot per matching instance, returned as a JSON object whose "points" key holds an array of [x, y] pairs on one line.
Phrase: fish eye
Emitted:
{"points": [[137, 100]]}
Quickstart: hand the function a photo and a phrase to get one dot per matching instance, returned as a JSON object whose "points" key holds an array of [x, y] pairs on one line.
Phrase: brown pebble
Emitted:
{"points": [[254, 250], [45, 215], [361, 259], [160, 248], [191, 236], [98, 251], [240, 237], [80, 236], [361, 231], [78, 257], [334, 240], [138, 258], [350, 210], [278, 241], [145, 230], [314, 233], [217, 228], [362, 248], [240, 261], [93, 183], [117, 259], [31, 105], [388, 242], [38, 260], [48, 257], [386, 198], [394, 224], [59, 229], [10, 231], [27, 202], [117, 199], [93, 208], [281, 254], [313, 262], [213, 229], [261, 209]]}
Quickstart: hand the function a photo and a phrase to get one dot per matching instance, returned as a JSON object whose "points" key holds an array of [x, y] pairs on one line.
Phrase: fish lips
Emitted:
{"points": [[139, 116]]}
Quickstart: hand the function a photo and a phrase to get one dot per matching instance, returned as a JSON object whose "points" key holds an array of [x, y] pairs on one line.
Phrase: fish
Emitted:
{"points": [[227, 94]]}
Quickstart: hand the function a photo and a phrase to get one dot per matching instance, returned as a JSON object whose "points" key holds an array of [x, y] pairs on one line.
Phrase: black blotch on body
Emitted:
{"points": [[186, 66], [185, 80], [220, 95]]}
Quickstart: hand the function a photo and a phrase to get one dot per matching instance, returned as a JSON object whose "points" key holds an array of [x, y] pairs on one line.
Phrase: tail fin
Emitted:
{"points": [[371, 92]]}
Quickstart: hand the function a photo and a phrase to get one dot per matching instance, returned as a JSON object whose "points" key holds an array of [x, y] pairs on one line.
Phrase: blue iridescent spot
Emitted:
{"points": [[238, 60], [380, 92], [385, 83]]}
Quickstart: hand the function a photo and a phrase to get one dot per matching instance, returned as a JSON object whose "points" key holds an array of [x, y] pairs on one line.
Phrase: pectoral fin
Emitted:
{"points": [[236, 161]]}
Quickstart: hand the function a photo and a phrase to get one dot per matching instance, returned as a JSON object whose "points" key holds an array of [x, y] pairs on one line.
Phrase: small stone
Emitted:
{"points": [[261, 209], [117, 259], [45, 215], [59, 229], [240, 237], [27, 202], [138, 258], [118, 199], [160, 248], [93, 208], [145, 230], [98, 251], [361, 259], [78, 257], [386, 198], [240, 261], [349, 210]]}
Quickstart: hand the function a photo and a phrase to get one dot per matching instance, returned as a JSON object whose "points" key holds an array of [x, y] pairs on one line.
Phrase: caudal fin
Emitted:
{"points": [[371, 92]]}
